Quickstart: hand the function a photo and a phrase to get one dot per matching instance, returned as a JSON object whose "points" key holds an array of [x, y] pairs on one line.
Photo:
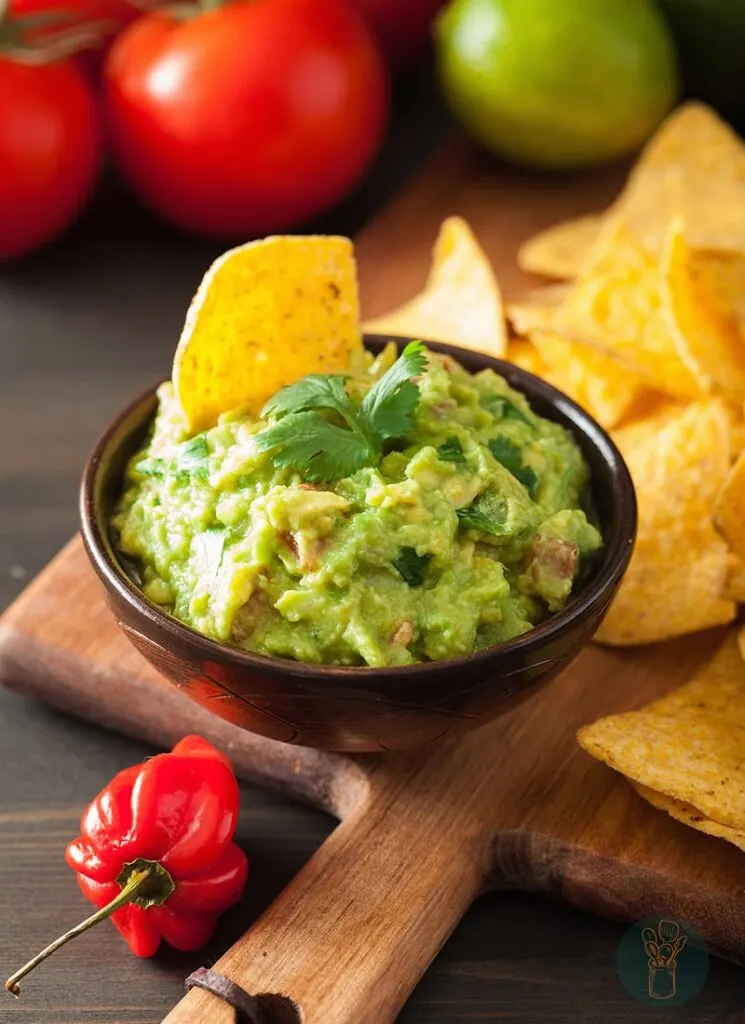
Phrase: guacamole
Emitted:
{"points": [[466, 532]]}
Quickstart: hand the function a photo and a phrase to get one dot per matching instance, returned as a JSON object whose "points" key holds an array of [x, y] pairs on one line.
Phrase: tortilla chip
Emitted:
{"points": [[729, 510], [265, 315], [689, 815], [617, 306], [677, 578], [525, 355], [461, 302], [536, 309], [709, 338], [693, 167], [606, 388], [560, 251], [723, 276], [737, 428], [690, 745], [660, 410], [735, 588]]}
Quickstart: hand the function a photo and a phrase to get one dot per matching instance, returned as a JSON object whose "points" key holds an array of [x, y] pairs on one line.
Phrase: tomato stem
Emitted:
{"points": [[43, 37]]}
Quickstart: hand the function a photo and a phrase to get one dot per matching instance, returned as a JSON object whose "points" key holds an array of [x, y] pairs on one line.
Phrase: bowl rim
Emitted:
{"points": [[101, 553]]}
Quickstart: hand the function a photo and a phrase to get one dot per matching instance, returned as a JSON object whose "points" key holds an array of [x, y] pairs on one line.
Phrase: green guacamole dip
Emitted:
{"points": [[468, 531]]}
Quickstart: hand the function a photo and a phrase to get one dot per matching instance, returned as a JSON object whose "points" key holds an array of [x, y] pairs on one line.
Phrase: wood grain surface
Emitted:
{"points": [[514, 805], [517, 957]]}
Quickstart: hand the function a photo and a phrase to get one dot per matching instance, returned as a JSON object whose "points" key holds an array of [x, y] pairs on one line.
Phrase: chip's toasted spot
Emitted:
{"points": [[265, 315], [461, 302]]}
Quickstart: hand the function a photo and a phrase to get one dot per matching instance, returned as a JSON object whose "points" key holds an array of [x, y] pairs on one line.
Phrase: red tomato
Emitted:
{"points": [[402, 27], [248, 118], [50, 149]]}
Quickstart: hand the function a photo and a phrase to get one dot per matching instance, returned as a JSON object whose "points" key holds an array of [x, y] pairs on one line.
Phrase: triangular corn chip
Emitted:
{"points": [[617, 306], [730, 507], [265, 315], [690, 815], [735, 589], [461, 302], [536, 309], [722, 274], [677, 580], [525, 355], [602, 385], [690, 745], [560, 251], [692, 167], [702, 319]]}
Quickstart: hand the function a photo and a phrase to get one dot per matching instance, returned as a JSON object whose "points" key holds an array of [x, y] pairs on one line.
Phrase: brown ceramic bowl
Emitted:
{"points": [[365, 708]]}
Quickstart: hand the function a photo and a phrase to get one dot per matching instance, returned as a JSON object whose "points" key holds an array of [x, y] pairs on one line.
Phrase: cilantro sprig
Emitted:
{"points": [[303, 437]]}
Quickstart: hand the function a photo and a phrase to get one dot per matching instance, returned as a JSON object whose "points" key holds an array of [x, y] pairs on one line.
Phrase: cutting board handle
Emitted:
{"points": [[352, 934]]}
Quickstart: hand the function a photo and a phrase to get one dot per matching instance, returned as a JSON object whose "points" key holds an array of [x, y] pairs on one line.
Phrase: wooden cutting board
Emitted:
{"points": [[514, 805]]}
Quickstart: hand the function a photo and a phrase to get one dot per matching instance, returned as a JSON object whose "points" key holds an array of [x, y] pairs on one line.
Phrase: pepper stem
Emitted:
{"points": [[138, 887]]}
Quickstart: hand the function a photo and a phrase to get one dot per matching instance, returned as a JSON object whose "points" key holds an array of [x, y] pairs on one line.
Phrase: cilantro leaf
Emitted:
{"points": [[451, 450], [301, 438], [307, 442], [317, 391], [487, 514], [412, 566], [501, 405], [388, 407], [508, 454]]}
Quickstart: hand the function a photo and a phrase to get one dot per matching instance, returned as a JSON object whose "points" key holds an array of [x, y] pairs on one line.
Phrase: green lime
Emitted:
{"points": [[557, 83]]}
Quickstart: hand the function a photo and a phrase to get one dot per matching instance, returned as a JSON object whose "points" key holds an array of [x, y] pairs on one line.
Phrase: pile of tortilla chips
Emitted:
{"points": [[685, 754], [647, 332]]}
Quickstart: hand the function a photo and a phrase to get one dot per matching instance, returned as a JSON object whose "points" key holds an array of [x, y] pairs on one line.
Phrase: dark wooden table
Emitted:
{"points": [[83, 327]]}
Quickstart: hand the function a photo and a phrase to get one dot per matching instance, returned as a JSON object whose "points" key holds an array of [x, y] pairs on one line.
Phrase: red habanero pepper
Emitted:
{"points": [[155, 851]]}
